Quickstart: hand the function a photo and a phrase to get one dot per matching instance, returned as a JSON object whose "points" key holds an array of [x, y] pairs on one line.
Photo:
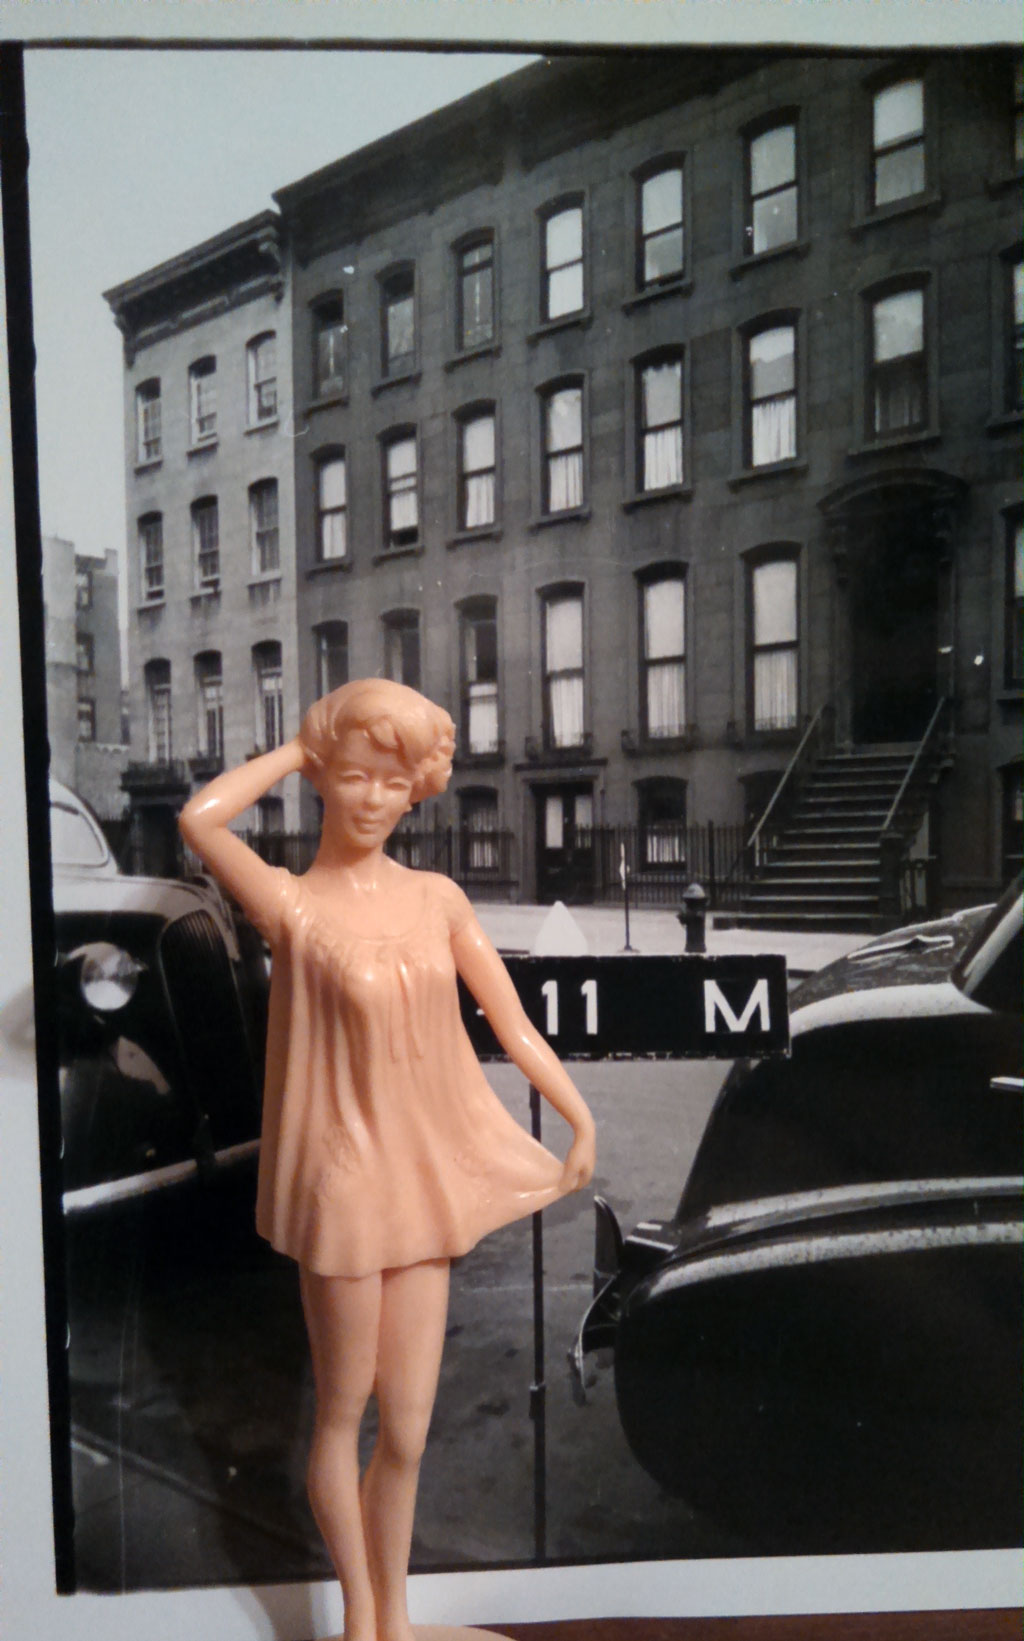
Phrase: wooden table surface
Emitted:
{"points": [[997, 1624]]}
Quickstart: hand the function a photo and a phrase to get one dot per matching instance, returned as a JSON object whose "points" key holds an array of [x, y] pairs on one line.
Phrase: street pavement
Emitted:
{"points": [[191, 1391]]}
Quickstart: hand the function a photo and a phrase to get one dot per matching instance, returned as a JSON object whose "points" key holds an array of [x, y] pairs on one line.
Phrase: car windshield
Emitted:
{"points": [[989, 971], [73, 841]]}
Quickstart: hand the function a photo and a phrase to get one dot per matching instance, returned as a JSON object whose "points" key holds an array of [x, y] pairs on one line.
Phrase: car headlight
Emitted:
{"points": [[108, 976]]}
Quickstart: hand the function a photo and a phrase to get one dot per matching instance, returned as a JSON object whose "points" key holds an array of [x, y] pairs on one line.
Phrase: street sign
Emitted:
{"points": [[664, 1008]]}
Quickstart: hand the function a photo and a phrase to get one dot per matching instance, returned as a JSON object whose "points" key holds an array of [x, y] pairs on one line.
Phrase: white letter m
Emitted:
{"points": [[713, 999]]}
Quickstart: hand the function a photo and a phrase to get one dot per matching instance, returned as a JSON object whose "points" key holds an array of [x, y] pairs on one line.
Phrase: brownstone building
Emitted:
{"points": [[661, 416], [83, 674]]}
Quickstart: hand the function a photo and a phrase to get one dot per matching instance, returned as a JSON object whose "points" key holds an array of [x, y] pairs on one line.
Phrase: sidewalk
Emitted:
{"points": [[659, 933]]}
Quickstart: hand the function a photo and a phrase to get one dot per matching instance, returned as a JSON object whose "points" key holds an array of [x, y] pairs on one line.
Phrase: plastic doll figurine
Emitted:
{"points": [[385, 1153]]}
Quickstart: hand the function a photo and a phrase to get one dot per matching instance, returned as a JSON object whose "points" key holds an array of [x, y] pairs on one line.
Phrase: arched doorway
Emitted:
{"points": [[891, 538]]}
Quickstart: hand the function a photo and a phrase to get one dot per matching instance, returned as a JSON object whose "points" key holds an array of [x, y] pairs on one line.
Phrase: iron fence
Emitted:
{"points": [[662, 859]]}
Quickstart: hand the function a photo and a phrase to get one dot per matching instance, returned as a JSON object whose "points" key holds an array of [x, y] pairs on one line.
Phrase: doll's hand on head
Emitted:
{"points": [[578, 1168]]}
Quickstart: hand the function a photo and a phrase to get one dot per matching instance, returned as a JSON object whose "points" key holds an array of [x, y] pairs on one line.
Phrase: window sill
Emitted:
{"points": [[896, 441], [481, 760], [654, 293], [1005, 421], [771, 470], [569, 321], [204, 596], [755, 738], [148, 465], [647, 498], [487, 532], [572, 515], [328, 566], [202, 447], [262, 427], [151, 605], [1004, 180], [637, 745], [326, 402], [266, 580], [486, 350], [930, 200], [778, 253], [386, 554], [408, 378]]}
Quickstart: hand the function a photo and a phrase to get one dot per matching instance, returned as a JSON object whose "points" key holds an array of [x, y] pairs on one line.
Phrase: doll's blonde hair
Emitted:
{"points": [[396, 719]]}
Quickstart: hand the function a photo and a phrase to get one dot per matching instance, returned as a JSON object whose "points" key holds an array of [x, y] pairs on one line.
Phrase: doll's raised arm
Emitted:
{"points": [[489, 981], [205, 818]]}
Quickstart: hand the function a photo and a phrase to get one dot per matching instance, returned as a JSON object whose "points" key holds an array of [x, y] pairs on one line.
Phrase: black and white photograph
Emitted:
{"points": [[657, 414]]}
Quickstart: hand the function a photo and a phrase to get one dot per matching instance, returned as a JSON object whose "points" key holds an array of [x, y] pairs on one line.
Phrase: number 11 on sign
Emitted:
{"points": [[588, 991]]}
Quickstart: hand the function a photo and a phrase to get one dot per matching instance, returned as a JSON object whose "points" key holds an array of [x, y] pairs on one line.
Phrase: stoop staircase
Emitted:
{"points": [[830, 849]]}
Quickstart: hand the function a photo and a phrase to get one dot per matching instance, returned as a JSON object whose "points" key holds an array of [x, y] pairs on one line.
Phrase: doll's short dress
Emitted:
{"points": [[383, 1143]]}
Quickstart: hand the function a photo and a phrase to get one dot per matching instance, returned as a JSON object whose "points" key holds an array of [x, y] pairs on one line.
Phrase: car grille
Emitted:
{"points": [[215, 1046]]}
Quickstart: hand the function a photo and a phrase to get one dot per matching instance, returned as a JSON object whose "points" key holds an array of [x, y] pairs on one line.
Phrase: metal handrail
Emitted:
{"points": [[808, 733], [914, 762]]}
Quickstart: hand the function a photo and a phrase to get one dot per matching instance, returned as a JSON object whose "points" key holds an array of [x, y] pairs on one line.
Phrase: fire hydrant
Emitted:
{"points": [[693, 916]]}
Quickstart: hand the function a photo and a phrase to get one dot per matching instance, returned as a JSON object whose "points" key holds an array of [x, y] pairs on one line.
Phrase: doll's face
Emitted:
{"points": [[366, 791]]}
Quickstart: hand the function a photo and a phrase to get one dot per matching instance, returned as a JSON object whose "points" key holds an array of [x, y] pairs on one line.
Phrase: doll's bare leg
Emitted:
{"points": [[414, 1307], [342, 1319]]}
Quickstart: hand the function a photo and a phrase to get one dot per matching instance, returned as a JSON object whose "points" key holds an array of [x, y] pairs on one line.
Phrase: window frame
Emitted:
{"points": [[742, 425], [636, 430], [395, 623], [208, 672], [204, 507], [654, 575], [866, 212], [1013, 604], [545, 394], [150, 593], [754, 560], [85, 654], [462, 418], [268, 666], [322, 634], [483, 843], [406, 432], [322, 459], [776, 119], [156, 675], [462, 247], [147, 395], [645, 289], [84, 586], [650, 788], [256, 416], [257, 490], [555, 593], [472, 612], [911, 279], [328, 389], [562, 204], [199, 371], [397, 367], [86, 711]]}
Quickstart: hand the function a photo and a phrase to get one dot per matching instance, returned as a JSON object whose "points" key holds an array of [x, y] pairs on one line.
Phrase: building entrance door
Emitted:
{"points": [[894, 619], [565, 843]]}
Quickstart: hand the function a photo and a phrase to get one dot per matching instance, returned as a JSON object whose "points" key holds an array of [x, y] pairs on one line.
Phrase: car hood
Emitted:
{"points": [[85, 891], [918, 956]]}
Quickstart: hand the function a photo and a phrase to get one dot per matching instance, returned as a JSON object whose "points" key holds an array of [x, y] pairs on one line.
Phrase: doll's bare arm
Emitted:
{"points": [[489, 981], [205, 819]]}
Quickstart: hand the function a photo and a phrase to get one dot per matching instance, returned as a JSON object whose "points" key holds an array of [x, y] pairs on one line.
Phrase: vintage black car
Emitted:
{"points": [[161, 1019], [822, 1346]]}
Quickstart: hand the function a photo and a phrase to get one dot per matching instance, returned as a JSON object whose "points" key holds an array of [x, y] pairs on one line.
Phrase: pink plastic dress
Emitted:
{"points": [[383, 1143]]}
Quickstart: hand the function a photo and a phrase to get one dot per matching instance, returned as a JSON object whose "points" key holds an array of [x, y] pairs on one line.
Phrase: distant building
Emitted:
{"points": [[83, 673], [650, 413]]}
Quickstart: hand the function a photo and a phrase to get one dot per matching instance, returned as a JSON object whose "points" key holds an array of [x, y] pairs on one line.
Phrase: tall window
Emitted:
{"points": [[158, 711], [478, 623], [84, 654], [662, 815], [209, 704], [401, 492], [266, 661], [1018, 113], [660, 423], [402, 647], [261, 366], [331, 656], [1014, 645], [330, 347], [773, 598], [151, 557], [563, 449], [562, 262], [1015, 349], [771, 396], [83, 587], [660, 244], [202, 393], [898, 151], [478, 827], [331, 509], [475, 318], [898, 395], [476, 470], [398, 323], [771, 188], [663, 618], [206, 544], [148, 439], [264, 537], [86, 719], [563, 669]]}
